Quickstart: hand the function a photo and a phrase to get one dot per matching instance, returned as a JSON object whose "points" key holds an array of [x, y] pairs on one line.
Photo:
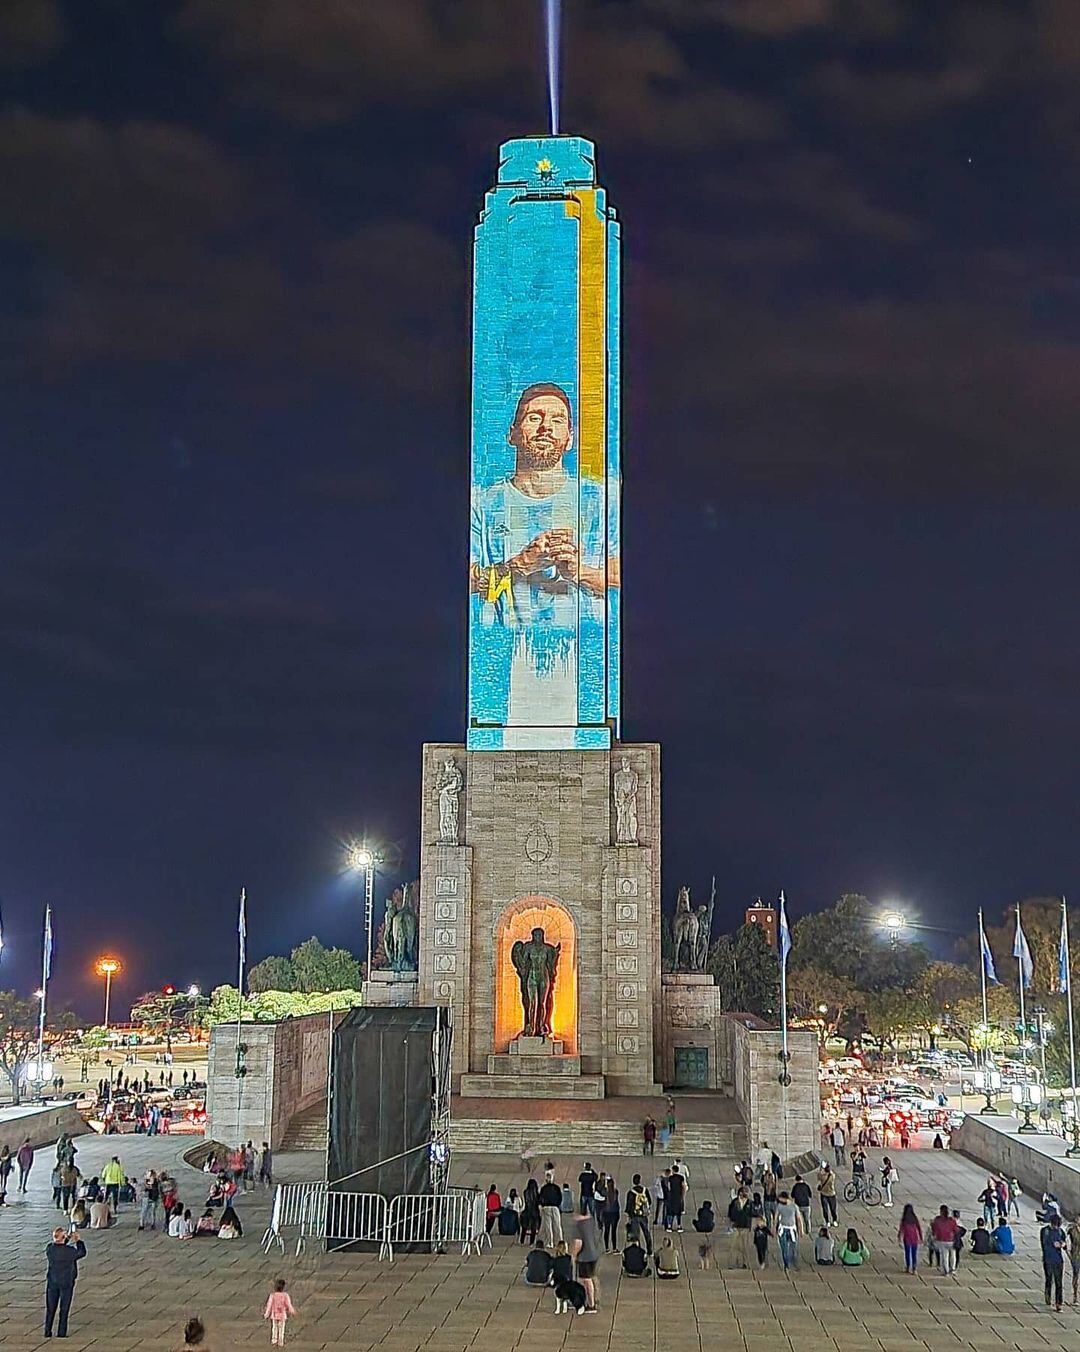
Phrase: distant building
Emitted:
{"points": [[765, 916]]}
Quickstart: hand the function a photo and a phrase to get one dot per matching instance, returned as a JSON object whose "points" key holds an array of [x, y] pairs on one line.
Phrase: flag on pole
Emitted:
{"points": [[46, 968], [1063, 954], [785, 934], [1, 934], [241, 928], [989, 969], [1023, 953]]}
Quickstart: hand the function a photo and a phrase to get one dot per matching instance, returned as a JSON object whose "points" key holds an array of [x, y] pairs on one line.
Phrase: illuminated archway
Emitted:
{"points": [[516, 922]]}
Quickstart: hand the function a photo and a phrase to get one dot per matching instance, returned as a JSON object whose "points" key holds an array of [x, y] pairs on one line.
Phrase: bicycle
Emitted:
{"points": [[863, 1189]]}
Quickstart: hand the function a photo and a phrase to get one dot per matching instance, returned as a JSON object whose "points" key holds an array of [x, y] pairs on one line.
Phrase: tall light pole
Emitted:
{"points": [[108, 968], [362, 859]]}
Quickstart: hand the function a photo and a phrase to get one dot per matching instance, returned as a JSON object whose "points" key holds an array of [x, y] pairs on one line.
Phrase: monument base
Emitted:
{"points": [[387, 987], [694, 1053], [534, 1084]]}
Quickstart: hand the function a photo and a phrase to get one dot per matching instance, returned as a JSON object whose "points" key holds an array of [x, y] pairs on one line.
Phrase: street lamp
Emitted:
{"points": [[360, 859], [1027, 1098], [894, 923], [108, 968]]}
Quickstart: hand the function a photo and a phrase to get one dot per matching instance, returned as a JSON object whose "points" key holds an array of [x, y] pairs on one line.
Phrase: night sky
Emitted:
{"points": [[234, 252]]}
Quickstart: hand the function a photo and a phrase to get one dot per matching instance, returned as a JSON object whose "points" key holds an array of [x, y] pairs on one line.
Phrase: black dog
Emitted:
{"points": [[569, 1293]]}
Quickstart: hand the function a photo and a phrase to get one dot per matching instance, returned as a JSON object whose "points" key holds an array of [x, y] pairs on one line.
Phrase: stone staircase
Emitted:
{"points": [[508, 1136], [307, 1130], [511, 1136]]}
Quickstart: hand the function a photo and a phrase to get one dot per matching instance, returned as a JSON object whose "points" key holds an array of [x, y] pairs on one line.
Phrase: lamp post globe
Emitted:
{"points": [[108, 968]]}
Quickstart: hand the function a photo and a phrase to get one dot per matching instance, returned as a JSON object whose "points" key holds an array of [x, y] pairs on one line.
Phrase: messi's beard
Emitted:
{"points": [[546, 455]]}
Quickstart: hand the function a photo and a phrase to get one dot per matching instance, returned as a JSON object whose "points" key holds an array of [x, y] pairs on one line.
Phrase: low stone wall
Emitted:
{"points": [[287, 1065], [1037, 1161], [788, 1117], [43, 1125]]}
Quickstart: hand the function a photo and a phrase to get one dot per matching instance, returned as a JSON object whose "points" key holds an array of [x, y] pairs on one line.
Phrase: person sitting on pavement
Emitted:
{"points": [[206, 1224], [667, 1260], [562, 1264], [229, 1226], [634, 1259], [1001, 1237], [853, 1252], [981, 1241], [537, 1267], [100, 1214], [80, 1216], [705, 1220], [824, 1249]]}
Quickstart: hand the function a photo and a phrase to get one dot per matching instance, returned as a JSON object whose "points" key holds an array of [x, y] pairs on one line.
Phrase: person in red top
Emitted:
{"points": [[943, 1235], [910, 1236], [494, 1206]]}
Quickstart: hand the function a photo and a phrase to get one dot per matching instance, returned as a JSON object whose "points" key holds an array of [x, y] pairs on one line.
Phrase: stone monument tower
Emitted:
{"points": [[540, 858]]}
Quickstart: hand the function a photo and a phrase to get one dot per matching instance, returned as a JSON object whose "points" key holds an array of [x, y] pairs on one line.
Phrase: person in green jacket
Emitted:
{"points": [[853, 1252]]}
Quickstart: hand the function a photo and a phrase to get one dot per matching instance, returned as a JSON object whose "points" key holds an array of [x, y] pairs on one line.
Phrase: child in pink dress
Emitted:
{"points": [[278, 1308]]}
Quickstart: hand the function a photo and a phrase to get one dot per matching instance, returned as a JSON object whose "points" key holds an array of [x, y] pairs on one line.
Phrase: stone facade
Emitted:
{"points": [[693, 1018], [536, 832], [787, 1116]]}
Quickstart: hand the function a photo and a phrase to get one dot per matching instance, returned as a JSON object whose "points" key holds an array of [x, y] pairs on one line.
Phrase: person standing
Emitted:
{"points": [[788, 1226], [609, 1217], [800, 1195], [148, 1201], [638, 1204], [648, 1133], [583, 1239], [7, 1163], [25, 1160], [676, 1200], [587, 1181], [69, 1183], [550, 1215], [278, 1309], [1053, 1242], [839, 1141], [112, 1176], [943, 1235], [889, 1179], [266, 1166], [741, 1216], [910, 1236], [63, 1271], [530, 1214], [826, 1186]]}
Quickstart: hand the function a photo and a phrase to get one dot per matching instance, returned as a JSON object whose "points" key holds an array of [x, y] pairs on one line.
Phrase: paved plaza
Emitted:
{"points": [[137, 1290]]}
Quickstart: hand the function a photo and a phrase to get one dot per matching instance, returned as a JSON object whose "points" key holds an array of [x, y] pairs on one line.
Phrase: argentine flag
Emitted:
{"points": [[1023, 953]]}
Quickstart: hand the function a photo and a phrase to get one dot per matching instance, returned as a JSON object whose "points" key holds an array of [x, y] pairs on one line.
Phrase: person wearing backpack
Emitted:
{"points": [[638, 1206]]}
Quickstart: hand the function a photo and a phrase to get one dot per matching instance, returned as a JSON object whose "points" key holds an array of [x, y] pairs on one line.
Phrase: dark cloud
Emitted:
{"points": [[30, 30]]}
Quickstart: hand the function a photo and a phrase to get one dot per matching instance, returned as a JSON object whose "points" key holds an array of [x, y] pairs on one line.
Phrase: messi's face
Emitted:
{"points": [[543, 432]]}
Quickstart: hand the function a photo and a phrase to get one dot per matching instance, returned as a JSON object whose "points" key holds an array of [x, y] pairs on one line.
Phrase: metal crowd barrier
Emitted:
{"points": [[456, 1217], [299, 1205]]}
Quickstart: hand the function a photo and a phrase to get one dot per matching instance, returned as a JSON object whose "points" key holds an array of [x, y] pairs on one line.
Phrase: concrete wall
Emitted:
{"points": [[42, 1125], [1038, 1161], [287, 1065], [789, 1118]]}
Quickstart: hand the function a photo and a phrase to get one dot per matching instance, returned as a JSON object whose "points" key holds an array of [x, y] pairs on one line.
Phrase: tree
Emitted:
{"points": [[18, 1038], [271, 1006], [324, 969], [165, 1015], [272, 974], [747, 971], [890, 1014], [821, 998], [847, 941], [941, 987]]}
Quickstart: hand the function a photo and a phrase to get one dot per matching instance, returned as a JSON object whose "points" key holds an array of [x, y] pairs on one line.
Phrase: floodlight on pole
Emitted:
{"points": [[108, 968], [894, 923], [360, 859]]}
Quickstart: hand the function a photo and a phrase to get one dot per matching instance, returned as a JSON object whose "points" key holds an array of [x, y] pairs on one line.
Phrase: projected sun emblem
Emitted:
{"points": [[545, 169]]}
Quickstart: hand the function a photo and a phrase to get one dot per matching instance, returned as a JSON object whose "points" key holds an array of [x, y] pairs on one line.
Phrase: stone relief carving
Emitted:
{"points": [[624, 784], [448, 785]]}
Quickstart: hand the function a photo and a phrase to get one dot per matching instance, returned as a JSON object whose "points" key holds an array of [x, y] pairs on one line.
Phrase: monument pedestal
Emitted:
{"points": [[535, 848], [387, 987], [694, 1053]]}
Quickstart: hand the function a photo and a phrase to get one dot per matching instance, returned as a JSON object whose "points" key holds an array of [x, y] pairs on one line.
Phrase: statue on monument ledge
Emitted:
{"points": [[399, 931], [536, 964]]}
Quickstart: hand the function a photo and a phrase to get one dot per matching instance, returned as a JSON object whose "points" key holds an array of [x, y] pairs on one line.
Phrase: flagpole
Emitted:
{"points": [[986, 1017], [46, 943], [241, 1070], [1020, 967], [1074, 1149]]}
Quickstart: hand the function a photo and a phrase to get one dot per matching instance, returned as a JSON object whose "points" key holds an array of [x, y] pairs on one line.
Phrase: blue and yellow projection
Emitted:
{"points": [[544, 574]]}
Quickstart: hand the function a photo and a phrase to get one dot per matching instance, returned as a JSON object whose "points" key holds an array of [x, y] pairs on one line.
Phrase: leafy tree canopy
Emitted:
{"points": [[311, 967], [270, 1006]]}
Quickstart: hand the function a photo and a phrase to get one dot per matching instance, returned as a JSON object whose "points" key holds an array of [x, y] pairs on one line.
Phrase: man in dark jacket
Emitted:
{"points": [[63, 1258]]}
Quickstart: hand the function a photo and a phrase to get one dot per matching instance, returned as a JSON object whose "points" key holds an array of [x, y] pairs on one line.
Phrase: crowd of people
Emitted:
{"points": [[569, 1230]]}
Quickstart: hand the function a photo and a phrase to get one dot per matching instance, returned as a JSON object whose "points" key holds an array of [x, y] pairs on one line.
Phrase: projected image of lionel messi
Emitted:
{"points": [[538, 539]]}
